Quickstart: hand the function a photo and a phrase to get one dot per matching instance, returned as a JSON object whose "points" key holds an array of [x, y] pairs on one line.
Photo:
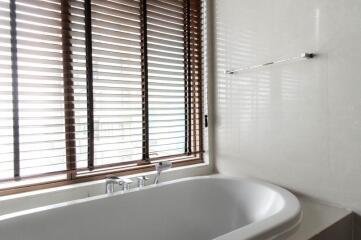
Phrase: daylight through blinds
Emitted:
{"points": [[91, 85]]}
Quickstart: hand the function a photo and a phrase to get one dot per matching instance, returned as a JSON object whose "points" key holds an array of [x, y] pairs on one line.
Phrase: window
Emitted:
{"points": [[92, 87]]}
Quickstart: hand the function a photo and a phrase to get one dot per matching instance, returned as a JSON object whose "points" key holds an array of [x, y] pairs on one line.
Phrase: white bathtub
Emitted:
{"points": [[199, 208]]}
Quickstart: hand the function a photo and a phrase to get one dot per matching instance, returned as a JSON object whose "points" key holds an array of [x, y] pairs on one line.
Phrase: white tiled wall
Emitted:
{"points": [[296, 124]]}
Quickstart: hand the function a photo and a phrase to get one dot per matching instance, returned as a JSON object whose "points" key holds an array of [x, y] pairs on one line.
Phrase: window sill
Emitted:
{"points": [[89, 177]]}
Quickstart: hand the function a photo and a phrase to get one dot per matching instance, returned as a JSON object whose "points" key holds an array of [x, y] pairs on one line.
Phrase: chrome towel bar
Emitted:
{"points": [[301, 56]]}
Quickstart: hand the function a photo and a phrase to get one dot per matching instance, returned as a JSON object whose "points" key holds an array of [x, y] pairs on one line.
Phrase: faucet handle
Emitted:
{"points": [[159, 168], [126, 183], [163, 166], [113, 179], [142, 180]]}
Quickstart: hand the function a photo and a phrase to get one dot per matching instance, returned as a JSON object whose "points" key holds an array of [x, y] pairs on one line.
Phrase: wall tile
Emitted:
{"points": [[295, 124]]}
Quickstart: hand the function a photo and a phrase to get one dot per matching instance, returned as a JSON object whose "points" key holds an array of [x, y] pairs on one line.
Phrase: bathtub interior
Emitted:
{"points": [[247, 201], [199, 209]]}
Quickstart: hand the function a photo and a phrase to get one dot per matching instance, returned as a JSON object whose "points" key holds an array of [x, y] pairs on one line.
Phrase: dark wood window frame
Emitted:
{"points": [[193, 152]]}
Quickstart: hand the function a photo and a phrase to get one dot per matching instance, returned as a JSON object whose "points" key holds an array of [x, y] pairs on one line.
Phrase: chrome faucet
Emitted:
{"points": [[160, 167], [111, 181], [141, 181], [126, 184]]}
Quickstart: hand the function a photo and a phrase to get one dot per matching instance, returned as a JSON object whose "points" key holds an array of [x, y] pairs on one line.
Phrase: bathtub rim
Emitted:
{"points": [[288, 219], [280, 223]]}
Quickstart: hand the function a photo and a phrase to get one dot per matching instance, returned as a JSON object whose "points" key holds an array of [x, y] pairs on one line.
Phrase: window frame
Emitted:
{"points": [[193, 105]]}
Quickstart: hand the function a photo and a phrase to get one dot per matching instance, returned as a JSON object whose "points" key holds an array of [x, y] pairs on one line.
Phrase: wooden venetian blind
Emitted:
{"points": [[107, 59], [40, 87], [166, 65], [32, 31], [88, 85], [195, 74], [174, 76], [6, 103], [140, 78]]}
